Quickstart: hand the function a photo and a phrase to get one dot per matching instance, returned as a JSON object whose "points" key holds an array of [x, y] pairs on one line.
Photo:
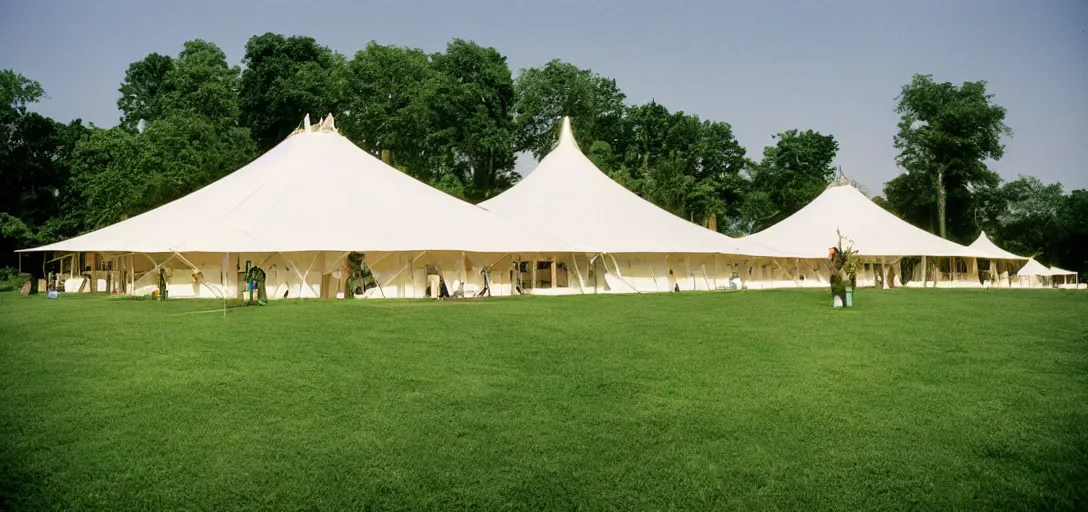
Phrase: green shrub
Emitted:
{"points": [[11, 280]]}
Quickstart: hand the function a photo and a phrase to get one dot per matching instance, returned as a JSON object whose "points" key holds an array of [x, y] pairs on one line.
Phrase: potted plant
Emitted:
{"points": [[844, 276]]}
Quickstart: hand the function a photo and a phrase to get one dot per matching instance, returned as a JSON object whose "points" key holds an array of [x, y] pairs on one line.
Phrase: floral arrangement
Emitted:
{"points": [[845, 264]]}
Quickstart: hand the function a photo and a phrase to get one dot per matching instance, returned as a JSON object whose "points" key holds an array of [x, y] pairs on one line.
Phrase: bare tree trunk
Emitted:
{"points": [[942, 202]]}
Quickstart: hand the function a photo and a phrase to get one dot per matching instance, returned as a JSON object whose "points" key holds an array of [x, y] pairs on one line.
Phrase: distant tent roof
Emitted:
{"points": [[1033, 268], [315, 191], [1055, 271], [571, 198], [984, 244], [811, 231]]}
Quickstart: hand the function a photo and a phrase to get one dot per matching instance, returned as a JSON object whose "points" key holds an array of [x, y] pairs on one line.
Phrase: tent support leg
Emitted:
{"points": [[201, 278], [402, 269], [815, 270], [618, 274], [156, 264], [687, 270], [329, 266], [654, 276], [301, 275], [925, 269], [786, 272], [883, 273], [581, 285]]}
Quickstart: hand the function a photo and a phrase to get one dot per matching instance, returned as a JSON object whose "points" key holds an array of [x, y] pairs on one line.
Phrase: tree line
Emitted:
{"points": [[457, 119]]}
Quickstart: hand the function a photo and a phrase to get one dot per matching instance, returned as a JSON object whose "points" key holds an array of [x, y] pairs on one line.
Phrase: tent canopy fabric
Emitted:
{"points": [[571, 198], [315, 191], [1055, 271], [984, 244], [1033, 268], [841, 208]]}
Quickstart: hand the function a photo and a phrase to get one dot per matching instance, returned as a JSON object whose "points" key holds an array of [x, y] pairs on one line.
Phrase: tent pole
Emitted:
{"points": [[347, 276], [687, 269], [223, 275], [554, 284], [224, 263], [596, 285], [654, 276], [925, 267], [883, 273], [376, 282], [717, 271], [463, 274], [532, 275], [581, 285]]}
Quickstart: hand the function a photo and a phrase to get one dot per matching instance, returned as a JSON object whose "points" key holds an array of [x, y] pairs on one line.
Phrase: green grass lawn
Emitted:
{"points": [[914, 399]]}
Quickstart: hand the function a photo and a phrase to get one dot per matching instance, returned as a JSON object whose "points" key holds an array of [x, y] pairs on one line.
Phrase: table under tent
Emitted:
{"points": [[637, 247], [892, 251], [1001, 266], [294, 218]]}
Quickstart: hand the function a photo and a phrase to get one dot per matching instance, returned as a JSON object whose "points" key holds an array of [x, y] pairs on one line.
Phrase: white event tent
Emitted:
{"points": [[639, 246], [1001, 262], [880, 238], [297, 211], [1064, 274], [1033, 275]]}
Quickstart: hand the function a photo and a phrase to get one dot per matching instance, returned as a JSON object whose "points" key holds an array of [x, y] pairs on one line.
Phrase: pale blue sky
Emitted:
{"points": [[764, 67]]}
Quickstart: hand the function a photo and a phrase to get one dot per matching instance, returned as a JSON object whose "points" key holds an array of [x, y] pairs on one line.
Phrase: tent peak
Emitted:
{"points": [[326, 125], [841, 181], [566, 135]]}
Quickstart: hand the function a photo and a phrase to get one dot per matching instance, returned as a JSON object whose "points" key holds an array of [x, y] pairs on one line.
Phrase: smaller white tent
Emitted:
{"points": [[1066, 276], [1055, 271], [1033, 275], [878, 236], [1033, 268], [984, 244], [1001, 263]]}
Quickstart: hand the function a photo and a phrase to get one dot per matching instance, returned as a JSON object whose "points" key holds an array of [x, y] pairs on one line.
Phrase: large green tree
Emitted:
{"points": [[108, 179], [646, 128], [946, 134], [141, 90], [688, 166], [695, 170], [189, 135], [286, 78], [545, 94], [202, 83], [1030, 222], [791, 174], [390, 102], [35, 159], [1072, 246], [474, 129]]}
